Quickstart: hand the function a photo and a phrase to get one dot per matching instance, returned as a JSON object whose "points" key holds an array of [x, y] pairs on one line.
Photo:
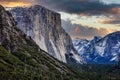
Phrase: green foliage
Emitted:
{"points": [[27, 63], [98, 71]]}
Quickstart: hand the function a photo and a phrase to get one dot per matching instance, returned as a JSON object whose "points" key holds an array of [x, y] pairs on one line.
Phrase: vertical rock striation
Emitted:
{"points": [[44, 27], [22, 59]]}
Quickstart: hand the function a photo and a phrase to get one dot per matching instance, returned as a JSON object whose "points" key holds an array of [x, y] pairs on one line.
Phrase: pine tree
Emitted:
{"points": [[25, 66]]}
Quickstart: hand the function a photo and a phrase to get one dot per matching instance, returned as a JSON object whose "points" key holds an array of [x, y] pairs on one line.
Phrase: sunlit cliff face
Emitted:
{"points": [[14, 4]]}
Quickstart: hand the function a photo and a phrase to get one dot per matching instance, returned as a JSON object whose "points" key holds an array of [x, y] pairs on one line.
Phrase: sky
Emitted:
{"points": [[80, 18]]}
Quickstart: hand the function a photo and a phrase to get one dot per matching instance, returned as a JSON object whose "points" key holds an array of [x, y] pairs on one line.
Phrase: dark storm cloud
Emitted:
{"points": [[80, 6], [79, 31], [87, 7]]}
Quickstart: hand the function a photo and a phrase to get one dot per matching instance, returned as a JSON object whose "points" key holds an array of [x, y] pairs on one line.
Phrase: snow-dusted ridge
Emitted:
{"points": [[100, 50]]}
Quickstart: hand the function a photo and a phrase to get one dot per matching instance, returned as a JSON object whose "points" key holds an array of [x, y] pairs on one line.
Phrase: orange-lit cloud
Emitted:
{"points": [[79, 31], [14, 4], [114, 20], [89, 33], [115, 10], [106, 20], [76, 29]]}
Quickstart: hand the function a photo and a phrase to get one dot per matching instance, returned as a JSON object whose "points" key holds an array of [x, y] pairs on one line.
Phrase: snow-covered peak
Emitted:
{"points": [[100, 50]]}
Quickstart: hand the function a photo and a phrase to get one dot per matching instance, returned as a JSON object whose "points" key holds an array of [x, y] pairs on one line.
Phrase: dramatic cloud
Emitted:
{"points": [[17, 0], [89, 7], [115, 10], [13, 3], [110, 20], [78, 31], [88, 18]]}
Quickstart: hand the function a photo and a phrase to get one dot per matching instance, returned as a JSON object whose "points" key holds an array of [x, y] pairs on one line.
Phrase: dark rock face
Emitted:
{"points": [[10, 36], [44, 27], [7, 24]]}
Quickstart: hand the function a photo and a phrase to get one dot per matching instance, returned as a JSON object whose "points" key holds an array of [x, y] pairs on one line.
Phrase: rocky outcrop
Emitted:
{"points": [[9, 37], [44, 27]]}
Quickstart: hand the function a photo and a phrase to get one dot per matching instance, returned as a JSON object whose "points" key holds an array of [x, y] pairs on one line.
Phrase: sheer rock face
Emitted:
{"points": [[10, 36], [44, 27], [20, 55]]}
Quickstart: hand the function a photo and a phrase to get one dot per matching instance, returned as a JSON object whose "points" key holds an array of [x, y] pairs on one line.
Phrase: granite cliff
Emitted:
{"points": [[44, 27]]}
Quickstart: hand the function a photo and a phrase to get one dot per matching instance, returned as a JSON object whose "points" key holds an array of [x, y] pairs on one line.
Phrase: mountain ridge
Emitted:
{"points": [[44, 27], [22, 59], [105, 50]]}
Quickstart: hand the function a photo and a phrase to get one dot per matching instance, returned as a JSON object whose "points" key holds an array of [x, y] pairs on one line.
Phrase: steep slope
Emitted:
{"points": [[81, 45], [108, 48], [22, 59], [44, 27], [84, 46], [102, 50]]}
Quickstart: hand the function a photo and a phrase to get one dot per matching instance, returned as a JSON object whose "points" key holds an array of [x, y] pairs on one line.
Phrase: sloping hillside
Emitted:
{"points": [[22, 59]]}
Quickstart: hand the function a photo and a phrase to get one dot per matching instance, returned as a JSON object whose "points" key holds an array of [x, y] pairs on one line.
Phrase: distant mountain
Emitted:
{"points": [[101, 50], [22, 59], [44, 27], [80, 45]]}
